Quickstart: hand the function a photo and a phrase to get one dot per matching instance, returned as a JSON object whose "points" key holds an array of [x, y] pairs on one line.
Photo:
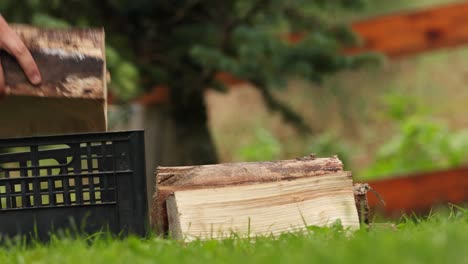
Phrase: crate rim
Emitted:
{"points": [[13, 140]]}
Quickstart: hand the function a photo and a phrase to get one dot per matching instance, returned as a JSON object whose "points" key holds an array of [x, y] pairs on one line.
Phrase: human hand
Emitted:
{"points": [[11, 43]]}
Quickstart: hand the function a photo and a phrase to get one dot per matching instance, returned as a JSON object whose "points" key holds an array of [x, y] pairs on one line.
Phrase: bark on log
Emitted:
{"points": [[171, 179], [72, 95], [362, 206]]}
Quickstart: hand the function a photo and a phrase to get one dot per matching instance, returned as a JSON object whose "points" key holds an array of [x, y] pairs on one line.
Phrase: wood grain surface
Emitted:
{"points": [[72, 95], [262, 209]]}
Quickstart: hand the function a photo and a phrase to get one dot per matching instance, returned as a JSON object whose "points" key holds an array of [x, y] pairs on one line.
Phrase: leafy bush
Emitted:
{"points": [[422, 143], [328, 144], [264, 147]]}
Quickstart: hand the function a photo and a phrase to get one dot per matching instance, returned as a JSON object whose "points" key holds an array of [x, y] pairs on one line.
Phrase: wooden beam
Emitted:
{"points": [[72, 95], [420, 192], [404, 34], [157, 95], [263, 209]]}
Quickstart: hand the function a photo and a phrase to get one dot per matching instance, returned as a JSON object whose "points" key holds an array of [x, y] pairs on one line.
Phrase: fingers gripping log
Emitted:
{"points": [[72, 95]]}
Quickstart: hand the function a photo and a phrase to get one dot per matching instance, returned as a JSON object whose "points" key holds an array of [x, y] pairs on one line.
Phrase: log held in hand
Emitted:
{"points": [[72, 95]]}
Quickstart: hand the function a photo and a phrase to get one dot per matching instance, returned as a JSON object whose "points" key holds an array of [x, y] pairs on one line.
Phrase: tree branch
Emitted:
{"points": [[230, 26], [256, 7], [289, 115], [180, 14]]}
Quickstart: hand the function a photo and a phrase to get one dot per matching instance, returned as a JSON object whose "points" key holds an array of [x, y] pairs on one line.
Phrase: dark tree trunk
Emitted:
{"points": [[193, 141]]}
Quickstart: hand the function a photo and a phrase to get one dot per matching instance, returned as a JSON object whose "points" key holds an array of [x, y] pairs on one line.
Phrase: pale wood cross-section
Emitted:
{"points": [[72, 96], [263, 209], [171, 179]]}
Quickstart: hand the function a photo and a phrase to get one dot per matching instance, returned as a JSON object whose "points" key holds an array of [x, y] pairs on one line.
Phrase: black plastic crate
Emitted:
{"points": [[90, 182]]}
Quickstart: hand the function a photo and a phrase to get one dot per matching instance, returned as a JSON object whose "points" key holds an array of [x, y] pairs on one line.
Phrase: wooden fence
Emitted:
{"points": [[419, 192]]}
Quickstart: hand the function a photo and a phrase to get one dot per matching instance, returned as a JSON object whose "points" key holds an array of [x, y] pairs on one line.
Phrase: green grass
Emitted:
{"points": [[437, 239]]}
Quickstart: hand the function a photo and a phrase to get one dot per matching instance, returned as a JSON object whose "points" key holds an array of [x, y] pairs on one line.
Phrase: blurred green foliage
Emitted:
{"points": [[422, 143], [329, 144], [264, 147]]}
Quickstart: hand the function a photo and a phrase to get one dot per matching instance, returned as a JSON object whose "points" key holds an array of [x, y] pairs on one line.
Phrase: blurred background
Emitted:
{"points": [[380, 83]]}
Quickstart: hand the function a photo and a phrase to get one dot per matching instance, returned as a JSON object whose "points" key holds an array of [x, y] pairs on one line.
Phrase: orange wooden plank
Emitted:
{"points": [[420, 192], [158, 95], [410, 33]]}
